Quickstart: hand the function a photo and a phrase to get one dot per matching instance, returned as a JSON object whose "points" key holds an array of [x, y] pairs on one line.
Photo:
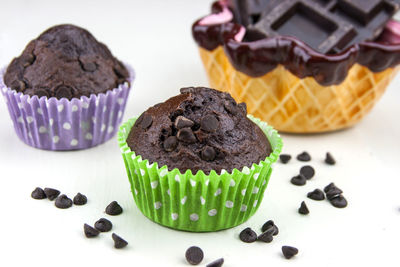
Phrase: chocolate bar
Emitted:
{"points": [[328, 26], [248, 11]]}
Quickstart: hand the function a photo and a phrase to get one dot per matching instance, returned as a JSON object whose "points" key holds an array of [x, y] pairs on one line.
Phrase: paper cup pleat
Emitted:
{"points": [[198, 202], [62, 124]]}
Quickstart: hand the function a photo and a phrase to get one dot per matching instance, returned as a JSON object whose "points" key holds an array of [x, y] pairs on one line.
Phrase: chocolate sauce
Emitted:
{"points": [[256, 57]]}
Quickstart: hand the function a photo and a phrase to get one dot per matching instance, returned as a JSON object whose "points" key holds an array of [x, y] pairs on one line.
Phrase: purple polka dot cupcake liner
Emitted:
{"points": [[62, 124], [198, 202]]}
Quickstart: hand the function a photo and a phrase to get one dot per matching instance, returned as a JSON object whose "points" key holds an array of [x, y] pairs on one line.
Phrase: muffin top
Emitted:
{"points": [[65, 62], [199, 129]]}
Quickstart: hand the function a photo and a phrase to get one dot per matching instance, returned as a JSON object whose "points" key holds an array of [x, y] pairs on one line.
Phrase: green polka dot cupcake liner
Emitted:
{"points": [[198, 202]]}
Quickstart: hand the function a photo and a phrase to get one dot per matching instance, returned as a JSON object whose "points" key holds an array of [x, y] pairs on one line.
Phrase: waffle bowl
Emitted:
{"points": [[307, 92]]}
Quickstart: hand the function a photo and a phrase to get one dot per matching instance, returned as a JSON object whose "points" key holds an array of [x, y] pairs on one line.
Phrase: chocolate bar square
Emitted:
{"points": [[328, 26]]}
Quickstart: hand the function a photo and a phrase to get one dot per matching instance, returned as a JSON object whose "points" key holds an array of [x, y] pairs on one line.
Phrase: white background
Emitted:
{"points": [[155, 38]]}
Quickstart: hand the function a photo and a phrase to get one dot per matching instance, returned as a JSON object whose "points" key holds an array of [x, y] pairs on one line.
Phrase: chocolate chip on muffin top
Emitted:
{"points": [[199, 129], [65, 62]]}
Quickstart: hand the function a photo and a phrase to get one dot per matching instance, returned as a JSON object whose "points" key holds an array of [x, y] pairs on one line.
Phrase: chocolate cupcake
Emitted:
{"points": [[204, 163], [66, 90], [200, 129]]}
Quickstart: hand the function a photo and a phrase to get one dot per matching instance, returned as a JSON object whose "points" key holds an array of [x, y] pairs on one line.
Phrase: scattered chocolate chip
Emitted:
{"points": [[208, 153], [289, 252], [317, 194], [114, 208], [329, 187], [38, 193], [186, 135], [103, 225], [243, 107], [118, 241], [51, 193], [270, 224], [146, 121], [182, 122], [170, 143], [304, 156], [80, 199], [64, 91], [194, 255], [18, 85], [63, 202], [285, 158], [333, 192], [267, 236], [41, 92], [230, 107], [248, 235], [90, 231], [216, 263], [303, 209], [339, 201], [209, 123], [329, 159], [307, 171], [89, 66], [298, 180]]}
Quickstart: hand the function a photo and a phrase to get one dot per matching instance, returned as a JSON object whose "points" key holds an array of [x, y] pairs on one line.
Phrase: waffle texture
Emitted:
{"points": [[295, 105]]}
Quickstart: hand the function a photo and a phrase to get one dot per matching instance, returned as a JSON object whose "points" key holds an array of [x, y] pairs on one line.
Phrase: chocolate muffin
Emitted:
{"points": [[200, 129], [65, 61]]}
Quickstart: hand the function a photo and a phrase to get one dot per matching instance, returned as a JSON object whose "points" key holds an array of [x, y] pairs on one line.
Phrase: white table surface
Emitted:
{"points": [[154, 36]]}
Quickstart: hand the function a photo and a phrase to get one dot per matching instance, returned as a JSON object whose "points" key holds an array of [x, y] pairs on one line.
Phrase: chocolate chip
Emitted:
{"points": [[38, 193], [307, 171], [317, 194], [243, 107], [103, 225], [80, 199], [248, 235], [182, 122], [89, 66], [41, 92], [329, 159], [329, 187], [230, 107], [285, 158], [298, 180], [90, 231], [304, 156], [118, 241], [18, 85], [146, 121], [209, 123], [303, 209], [289, 252], [333, 192], [216, 263], [170, 143], [267, 236], [63, 202], [339, 201], [270, 224], [114, 208], [64, 91], [51, 193], [187, 90], [27, 60], [194, 255], [186, 135], [208, 153]]}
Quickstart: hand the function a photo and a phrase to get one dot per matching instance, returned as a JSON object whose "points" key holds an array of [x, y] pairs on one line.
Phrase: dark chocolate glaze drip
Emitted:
{"points": [[256, 58]]}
